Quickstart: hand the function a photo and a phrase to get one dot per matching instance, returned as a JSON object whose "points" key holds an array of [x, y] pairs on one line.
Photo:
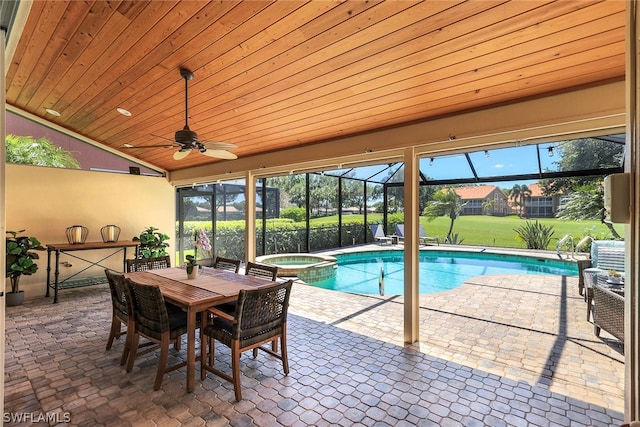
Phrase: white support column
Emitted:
{"points": [[250, 212], [632, 231], [3, 212], [411, 249]]}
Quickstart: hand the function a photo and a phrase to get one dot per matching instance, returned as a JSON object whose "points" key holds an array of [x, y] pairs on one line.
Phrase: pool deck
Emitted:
{"points": [[502, 350]]}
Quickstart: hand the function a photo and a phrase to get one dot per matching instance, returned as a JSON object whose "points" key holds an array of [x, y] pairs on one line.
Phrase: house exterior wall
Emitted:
{"points": [[475, 206], [45, 201]]}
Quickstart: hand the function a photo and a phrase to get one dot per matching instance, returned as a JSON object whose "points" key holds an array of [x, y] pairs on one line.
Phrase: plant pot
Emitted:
{"points": [[614, 280], [14, 298], [193, 274]]}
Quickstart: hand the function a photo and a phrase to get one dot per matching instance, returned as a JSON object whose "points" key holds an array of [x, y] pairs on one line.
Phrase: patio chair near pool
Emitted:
{"points": [[605, 255], [422, 235], [378, 233], [261, 317]]}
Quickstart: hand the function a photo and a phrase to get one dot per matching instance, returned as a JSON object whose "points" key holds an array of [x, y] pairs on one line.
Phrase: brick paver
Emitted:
{"points": [[499, 350]]}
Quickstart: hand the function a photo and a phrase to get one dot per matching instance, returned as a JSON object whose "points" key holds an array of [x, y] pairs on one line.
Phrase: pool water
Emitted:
{"points": [[439, 270]]}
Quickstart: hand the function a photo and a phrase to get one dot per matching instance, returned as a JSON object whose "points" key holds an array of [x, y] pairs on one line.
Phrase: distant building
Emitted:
{"points": [[483, 200], [539, 206]]}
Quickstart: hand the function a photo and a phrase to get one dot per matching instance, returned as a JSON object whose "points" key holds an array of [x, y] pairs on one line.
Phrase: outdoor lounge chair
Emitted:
{"points": [[378, 234], [422, 235]]}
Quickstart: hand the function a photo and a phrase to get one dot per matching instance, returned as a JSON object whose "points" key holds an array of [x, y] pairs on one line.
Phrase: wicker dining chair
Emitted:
{"points": [[269, 272], [122, 305], [158, 322], [144, 264], [260, 317], [256, 270], [227, 264]]}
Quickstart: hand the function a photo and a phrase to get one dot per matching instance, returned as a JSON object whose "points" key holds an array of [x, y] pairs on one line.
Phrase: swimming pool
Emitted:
{"points": [[439, 270]]}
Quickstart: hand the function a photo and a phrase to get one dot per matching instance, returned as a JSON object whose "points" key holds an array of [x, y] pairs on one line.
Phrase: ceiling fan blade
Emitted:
{"points": [[148, 146], [162, 137], [216, 145], [181, 154], [220, 154]]}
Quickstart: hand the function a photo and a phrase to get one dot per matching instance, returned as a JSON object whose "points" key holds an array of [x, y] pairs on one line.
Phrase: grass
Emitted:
{"points": [[500, 231], [483, 230]]}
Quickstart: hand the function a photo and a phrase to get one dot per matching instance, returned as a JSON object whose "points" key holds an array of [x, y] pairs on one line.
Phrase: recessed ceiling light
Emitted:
{"points": [[123, 111], [52, 112], [127, 145]]}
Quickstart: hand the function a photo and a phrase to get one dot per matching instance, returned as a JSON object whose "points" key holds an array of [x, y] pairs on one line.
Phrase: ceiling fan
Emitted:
{"points": [[187, 140]]}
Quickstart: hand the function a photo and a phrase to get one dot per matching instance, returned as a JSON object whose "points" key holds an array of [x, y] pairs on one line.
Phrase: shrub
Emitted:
{"points": [[535, 235], [454, 239], [294, 213]]}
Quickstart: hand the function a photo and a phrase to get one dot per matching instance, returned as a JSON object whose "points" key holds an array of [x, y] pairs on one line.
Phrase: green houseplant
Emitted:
{"points": [[192, 267], [152, 243], [20, 256]]}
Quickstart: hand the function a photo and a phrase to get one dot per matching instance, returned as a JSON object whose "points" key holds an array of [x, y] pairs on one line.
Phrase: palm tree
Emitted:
{"points": [[519, 194], [488, 206], [525, 193], [514, 195], [445, 202]]}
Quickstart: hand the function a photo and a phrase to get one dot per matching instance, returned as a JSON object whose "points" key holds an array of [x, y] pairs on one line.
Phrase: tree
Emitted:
{"points": [[519, 194], [488, 205], [27, 150], [445, 202], [581, 154], [587, 202]]}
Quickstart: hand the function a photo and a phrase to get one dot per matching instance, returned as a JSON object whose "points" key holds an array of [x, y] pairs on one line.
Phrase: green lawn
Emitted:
{"points": [[499, 231], [483, 230]]}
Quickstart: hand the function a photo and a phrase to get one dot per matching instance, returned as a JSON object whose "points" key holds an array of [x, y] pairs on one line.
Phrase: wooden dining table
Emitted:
{"points": [[211, 287]]}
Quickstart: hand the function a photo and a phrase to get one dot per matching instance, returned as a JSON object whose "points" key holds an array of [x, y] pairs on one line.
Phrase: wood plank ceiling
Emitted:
{"points": [[275, 75]]}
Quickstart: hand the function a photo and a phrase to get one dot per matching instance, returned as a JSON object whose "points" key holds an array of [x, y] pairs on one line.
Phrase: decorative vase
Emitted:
{"points": [[15, 298]]}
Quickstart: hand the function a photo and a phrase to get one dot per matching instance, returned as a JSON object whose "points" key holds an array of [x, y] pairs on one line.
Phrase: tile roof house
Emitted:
{"points": [[483, 199], [537, 205]]}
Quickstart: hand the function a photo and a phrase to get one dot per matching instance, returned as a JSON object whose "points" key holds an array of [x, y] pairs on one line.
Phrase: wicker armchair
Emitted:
{"points": [[608, 312], [261, 317], [605, 255], [157, 321], [122, 305], [143, 264], [227, 264]]}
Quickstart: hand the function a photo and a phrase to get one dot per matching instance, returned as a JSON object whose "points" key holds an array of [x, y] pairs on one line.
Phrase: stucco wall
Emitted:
{"points": [[45, 201]]}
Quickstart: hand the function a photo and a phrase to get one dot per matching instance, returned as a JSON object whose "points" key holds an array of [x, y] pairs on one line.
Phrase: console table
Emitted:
{"points": [[58, 248]]}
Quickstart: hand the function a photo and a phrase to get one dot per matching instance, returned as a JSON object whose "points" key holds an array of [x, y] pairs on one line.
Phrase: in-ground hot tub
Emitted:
{"points": [[307, 267]]}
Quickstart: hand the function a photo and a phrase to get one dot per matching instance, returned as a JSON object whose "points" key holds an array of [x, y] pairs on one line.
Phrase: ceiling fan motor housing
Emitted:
{"points": [[186, 137]]}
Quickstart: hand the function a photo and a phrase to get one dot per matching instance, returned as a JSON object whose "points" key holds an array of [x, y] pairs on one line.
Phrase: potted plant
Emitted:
{"points": [[152, 243], [20, 256], [614, 277], [192, 267]]}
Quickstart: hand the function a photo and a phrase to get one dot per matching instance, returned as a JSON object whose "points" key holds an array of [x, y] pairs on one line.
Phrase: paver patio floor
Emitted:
{"points": [[499, 351]]}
